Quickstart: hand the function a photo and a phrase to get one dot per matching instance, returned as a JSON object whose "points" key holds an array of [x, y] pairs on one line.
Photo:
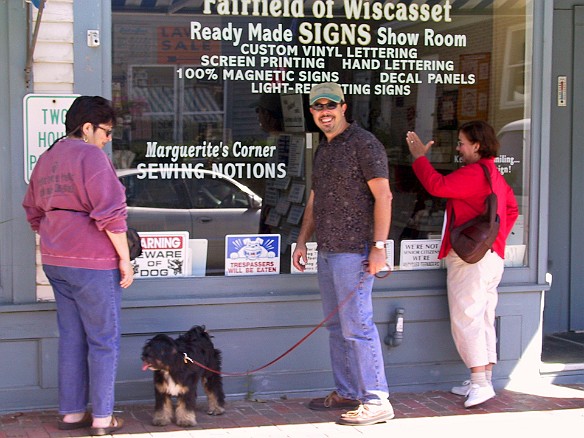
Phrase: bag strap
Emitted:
{"points": [[488, 175]]}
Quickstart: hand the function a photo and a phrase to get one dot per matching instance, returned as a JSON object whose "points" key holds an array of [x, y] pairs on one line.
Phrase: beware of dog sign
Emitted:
{"points": [[164, 254]]}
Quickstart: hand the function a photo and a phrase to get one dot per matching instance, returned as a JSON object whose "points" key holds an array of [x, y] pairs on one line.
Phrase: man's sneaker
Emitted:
{"points": [[367, 414], [332, 401], [479, 394], [463, 390]]}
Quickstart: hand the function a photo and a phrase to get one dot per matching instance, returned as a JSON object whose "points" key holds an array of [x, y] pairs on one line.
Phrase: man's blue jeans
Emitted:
{"points": [[88, 314], [355, 348]]}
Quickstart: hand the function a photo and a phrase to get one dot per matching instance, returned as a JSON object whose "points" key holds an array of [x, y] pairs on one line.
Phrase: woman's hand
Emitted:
{"points": [[120, 243], [417, 148], [126, 273]]}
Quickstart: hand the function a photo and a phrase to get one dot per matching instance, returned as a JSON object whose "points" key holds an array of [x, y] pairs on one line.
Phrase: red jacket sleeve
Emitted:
{"points": [[466, 190]]}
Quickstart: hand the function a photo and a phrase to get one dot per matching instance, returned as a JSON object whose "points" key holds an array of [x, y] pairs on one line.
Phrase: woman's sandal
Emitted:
{"points": [[84, 422], [115, 425]]}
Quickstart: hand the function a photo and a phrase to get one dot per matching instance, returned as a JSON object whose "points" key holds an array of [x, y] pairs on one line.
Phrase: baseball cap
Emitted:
{"points": [[327, 90]]}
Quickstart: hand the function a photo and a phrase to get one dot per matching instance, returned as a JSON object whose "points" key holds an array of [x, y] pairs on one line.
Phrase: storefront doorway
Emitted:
{"points": [[564, 305], [577, 274]]}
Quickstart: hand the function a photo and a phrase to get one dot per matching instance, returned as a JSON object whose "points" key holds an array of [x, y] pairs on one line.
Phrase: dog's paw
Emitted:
{"points": [[185, 418], [186, 422], [161, 419], [215, 410]]}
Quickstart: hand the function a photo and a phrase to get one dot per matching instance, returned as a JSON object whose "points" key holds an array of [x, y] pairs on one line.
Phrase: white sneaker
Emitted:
{"points": [[367, 414], [479, 394], [462, 390]]}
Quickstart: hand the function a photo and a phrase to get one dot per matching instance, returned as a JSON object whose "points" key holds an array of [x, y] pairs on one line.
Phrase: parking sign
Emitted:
{"points": [[44, 122]]}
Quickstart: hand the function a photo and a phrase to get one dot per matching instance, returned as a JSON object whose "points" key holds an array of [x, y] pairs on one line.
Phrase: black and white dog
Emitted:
{"points": [[175, 375]]}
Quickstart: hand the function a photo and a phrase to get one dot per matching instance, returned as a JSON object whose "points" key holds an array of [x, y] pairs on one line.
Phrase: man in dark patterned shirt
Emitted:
{"points": [[349, 210]]}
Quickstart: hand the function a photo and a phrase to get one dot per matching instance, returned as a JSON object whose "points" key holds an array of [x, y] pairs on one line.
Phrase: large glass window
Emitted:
{"points": [[214, 138]]}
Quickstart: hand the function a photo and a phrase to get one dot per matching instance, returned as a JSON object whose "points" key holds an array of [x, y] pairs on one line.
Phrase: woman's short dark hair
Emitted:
{"points": [[84, 109], [481, 132]]}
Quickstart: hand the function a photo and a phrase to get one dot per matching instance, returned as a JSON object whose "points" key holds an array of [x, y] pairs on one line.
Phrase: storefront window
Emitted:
{"points": [[214, 141]]}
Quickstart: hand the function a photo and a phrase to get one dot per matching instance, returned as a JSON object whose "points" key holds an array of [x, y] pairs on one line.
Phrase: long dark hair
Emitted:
{"points": [[87, 109]]}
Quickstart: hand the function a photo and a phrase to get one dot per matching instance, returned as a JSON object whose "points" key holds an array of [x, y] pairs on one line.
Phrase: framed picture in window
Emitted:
{"points": [[447, 107]]}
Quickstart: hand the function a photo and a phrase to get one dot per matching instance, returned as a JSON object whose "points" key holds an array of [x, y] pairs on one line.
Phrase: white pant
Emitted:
{"points": [[472, 299]]}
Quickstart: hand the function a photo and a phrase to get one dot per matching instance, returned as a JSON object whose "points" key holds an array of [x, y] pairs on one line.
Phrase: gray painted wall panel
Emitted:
{"points": [[49, 348], [16, 285], [18, 366], [510, 345], [28, 324]]}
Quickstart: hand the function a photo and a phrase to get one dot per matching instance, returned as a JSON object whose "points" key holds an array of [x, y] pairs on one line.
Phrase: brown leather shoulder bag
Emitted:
{"points": [[474, 238]]}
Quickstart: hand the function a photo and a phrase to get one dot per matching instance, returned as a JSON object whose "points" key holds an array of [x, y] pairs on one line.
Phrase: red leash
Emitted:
{"points": [[323, 322]]}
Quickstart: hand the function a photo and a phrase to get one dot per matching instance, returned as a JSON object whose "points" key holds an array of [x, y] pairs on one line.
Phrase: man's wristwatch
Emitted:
{"points": [[380, 244]]}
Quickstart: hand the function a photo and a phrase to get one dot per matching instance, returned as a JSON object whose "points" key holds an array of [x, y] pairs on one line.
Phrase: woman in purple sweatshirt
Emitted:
{"points": [[77, 205]]}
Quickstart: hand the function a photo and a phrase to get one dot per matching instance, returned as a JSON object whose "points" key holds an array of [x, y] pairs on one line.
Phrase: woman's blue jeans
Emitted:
{"points": [[355, 348], [88, 314]]}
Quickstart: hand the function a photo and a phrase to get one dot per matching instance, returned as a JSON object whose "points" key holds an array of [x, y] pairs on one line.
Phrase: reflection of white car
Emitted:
{"points": [[208, 207], [513, 162]]}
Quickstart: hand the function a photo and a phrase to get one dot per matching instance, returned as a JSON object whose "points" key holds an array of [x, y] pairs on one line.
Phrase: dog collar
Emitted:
{"points": [[187, 359]]}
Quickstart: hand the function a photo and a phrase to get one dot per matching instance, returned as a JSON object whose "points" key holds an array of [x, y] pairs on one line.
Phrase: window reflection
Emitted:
{"points": [[168, 97], [207, 205]]}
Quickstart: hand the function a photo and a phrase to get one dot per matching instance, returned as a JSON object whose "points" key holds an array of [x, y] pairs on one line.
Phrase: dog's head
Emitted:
{"points": [[159, 353]]}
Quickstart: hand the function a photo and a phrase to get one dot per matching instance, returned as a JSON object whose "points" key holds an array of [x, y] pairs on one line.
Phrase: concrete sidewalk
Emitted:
{"points": [[542, 411]]}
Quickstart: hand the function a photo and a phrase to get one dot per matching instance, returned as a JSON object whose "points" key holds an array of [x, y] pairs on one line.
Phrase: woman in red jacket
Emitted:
{"points": [[472, 288]]}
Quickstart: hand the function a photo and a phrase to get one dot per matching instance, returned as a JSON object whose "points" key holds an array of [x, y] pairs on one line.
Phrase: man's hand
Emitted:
{"points": [[299, 257], [377, 260]]}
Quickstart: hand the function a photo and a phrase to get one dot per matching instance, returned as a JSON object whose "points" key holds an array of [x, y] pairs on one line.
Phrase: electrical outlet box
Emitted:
{"points": [[93, 38]]}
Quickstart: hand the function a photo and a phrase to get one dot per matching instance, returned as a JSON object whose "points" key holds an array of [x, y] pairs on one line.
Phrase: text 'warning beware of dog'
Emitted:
{"points": [[164, 254]]}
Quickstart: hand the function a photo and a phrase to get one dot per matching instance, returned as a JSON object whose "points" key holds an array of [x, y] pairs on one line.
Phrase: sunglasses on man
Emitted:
{"points": [[320, 106]]}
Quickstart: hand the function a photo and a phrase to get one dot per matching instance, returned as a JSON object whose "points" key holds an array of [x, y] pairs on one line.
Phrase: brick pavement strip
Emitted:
{"points": [[290, 417]]}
